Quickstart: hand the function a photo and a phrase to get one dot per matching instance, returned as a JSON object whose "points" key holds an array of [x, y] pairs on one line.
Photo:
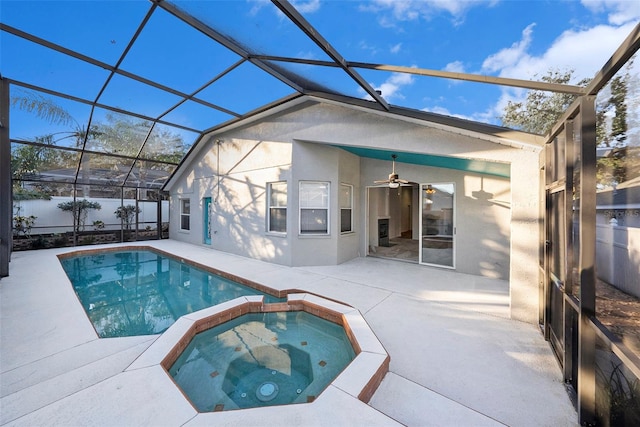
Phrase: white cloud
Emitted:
{"points": [[258, 5], [396, 48], [510, 55], [455, 67], [445, 112], [309, 6], [367, 47], [508, 94], [408, 10], [392, 86], [306, 55], [619, 11], [374, 50], [391, 12], [584, 51], [402, 10]]}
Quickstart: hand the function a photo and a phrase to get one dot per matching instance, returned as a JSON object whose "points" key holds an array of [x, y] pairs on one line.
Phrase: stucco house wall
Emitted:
{"points": [[497, 233], [234, 173], [317, 162]]}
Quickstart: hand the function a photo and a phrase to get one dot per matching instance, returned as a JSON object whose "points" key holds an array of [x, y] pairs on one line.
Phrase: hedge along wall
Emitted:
{"points": [[52, 219]]}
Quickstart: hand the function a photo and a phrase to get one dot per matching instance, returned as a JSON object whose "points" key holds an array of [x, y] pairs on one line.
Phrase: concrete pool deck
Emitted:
{"points": [[456, 358]]}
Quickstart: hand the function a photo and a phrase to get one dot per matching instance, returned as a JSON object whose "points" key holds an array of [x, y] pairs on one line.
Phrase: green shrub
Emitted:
{"points": [[39, 243]]}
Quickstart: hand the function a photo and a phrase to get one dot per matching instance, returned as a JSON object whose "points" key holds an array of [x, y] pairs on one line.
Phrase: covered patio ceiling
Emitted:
{"points": [[469, 165], [115, 62]]}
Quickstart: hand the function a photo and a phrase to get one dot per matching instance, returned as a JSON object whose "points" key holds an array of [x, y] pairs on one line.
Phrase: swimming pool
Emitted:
{"points": [[142, 292], [262, 359]]}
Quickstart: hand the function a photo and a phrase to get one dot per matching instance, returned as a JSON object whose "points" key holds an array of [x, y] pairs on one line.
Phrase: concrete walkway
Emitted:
{"points": [[456, 358]]}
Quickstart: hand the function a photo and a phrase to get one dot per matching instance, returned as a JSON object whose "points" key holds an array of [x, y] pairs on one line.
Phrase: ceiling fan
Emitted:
{"points": [[393, 180]]}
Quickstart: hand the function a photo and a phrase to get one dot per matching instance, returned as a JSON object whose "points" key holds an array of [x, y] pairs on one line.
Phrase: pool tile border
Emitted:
{"points": [[255, 285]]}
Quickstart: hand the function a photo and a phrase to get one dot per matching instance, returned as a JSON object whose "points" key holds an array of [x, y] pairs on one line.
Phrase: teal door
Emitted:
{"points": [[206, 218]]}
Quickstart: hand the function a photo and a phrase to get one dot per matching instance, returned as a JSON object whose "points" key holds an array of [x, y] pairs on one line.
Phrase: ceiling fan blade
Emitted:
{"points": [[382, 181], [402, 181]]}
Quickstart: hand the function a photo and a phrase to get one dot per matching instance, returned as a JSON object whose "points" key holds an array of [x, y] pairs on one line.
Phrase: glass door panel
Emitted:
{"points": [[437, 228]]}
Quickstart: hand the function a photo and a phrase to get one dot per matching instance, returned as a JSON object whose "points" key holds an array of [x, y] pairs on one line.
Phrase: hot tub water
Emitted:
{"points": [[262, 359]]}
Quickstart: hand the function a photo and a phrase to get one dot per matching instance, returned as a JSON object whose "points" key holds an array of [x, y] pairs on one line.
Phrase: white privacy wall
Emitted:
{"points": [[52, 219], [497, 236]]}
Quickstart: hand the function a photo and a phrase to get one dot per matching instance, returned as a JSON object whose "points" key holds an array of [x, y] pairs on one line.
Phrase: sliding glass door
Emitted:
{"points": [[437, 228]]}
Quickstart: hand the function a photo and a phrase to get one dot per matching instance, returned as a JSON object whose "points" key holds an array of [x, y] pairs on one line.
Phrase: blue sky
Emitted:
{"points": [[517, 39]]}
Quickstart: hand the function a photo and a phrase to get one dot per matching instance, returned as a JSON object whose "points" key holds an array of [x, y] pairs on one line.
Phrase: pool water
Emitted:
{"points": [[141, 292], [262, 359]]}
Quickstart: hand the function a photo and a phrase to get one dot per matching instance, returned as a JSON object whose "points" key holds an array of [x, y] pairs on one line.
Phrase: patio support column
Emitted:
{"points": [[159, 215], [121, 220], [587, 262], [569, 311], [6, 205], [523, 269]]}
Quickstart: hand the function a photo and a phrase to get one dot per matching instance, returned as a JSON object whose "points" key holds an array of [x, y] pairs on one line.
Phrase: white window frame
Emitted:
{"points": [[349, 208], [305, 204], [183, 214], [277, 206]]}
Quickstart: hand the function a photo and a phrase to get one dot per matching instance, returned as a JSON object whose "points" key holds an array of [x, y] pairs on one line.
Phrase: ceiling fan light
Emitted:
{"points": [[394, 185]]}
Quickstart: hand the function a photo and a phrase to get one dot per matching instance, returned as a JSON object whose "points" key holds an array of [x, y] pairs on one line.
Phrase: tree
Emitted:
{"points": [[124, 135], [620, 163], [26, 163], [126, 213], [23, 224], [541, 109], [45, 108], [41, 106], [79, 209], [618, 102], [117, 134]]}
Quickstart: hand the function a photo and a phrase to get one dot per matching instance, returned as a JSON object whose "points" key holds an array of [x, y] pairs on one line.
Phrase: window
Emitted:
{"points": [[346, 208], [314, 207], [277, 207], [185, 214]]}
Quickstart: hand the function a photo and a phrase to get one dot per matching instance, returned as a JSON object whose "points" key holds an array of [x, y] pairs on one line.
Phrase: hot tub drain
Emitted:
{"points": [[267, 391]]}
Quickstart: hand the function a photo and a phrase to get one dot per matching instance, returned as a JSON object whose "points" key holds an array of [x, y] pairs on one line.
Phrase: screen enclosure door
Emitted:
{"points": [[206, 220], [437, 225]]}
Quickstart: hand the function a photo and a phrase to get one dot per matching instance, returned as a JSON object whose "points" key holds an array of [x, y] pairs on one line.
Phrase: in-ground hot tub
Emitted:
{"points": [[262, 359], [264, 364]]}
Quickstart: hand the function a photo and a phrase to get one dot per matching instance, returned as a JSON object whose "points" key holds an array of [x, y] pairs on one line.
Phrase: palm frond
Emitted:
{"points": [[43, 107]]}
